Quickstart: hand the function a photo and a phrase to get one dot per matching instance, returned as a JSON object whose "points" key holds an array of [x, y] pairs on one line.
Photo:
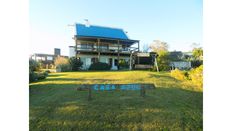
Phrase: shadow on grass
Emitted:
{"points": [[162, 77], [55, 75], [62, 107], [75, 79]]}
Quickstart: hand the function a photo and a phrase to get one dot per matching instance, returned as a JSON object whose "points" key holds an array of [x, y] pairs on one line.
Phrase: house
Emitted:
{"points": [[47, 60], [180, 60], [103, 44]]}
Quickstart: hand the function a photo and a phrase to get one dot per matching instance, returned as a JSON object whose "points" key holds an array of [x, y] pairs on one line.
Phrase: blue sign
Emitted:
{"points": [[107, 87]]}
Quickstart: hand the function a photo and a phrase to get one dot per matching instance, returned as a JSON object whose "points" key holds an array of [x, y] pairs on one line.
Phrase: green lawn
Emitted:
{"points": [[55, 104]]}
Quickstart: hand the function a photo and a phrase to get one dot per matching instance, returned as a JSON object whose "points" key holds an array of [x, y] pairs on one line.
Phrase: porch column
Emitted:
{"points": [[130, 60], [113, 63], [98, 49]]}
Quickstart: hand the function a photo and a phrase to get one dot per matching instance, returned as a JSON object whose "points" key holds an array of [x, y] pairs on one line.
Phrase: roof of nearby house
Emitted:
{"points": [[100, 31], [175, 55]]}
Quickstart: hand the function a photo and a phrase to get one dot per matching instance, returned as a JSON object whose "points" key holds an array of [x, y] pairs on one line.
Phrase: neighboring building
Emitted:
{"points": [[180, 60], [47, 59], [102, 44], [180, 65], [144, 60]]}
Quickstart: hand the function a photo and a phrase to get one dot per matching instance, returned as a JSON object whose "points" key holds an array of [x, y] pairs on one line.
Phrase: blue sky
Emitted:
{"points": [[177, 22]]}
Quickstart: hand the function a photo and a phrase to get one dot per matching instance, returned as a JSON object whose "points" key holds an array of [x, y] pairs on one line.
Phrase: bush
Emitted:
{"points": [[196, 76], [32, 76], [63, 64], [123, 64], [75, 63], [179, 75], [163, 61], [41, 76], [48, 71], [196, 63], [34, 65], [99, 66]]}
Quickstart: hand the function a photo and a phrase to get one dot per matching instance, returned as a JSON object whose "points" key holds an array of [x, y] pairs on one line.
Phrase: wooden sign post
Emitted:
{"points": [[142, 91], [89, 93]]}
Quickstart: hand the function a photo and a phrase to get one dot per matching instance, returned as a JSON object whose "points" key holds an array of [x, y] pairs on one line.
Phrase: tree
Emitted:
{"points": [[197, 59], [62, 63], [198, 53], [159, 46], [75, 63], [163, 60]]}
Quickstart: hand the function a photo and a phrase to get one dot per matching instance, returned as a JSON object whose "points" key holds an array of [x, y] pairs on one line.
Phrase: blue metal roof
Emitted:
{"points": [[99, 31]]}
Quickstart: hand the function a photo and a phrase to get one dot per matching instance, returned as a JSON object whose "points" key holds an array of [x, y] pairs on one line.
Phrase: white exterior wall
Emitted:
{"points": [[71, 51], [86, 59], [181, 64]]}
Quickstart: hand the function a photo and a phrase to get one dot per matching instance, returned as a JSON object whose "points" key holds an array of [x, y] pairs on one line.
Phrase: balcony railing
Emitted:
{"points": [[110, 49]]}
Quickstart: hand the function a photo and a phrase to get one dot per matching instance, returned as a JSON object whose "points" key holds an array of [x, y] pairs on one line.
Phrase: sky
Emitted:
{"points": [[177, 22]]}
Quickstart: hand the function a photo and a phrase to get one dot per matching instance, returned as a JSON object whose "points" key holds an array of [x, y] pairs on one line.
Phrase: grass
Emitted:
{"points": [[55, 104]]}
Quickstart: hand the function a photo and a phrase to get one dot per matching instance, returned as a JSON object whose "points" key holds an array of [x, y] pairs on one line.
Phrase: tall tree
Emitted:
{"points": [[198, 53], [159, 46]]}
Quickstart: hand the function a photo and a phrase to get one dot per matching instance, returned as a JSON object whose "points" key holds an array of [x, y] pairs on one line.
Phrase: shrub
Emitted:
{"points": [[41, 76], [196, 63], [99, 66], [34, 65], [75, 63], [48, 71], [32, 76], [196, 76], [163, 61], [179, 75], [123, 64], [63, 64], [45, 73]]}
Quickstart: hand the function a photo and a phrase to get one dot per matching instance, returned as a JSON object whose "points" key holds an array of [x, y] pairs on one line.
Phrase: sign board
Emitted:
{"points": [[110, 87]]}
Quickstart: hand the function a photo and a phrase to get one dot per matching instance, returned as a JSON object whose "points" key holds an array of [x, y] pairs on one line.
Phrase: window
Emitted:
{"points": [[49, 58], [104, 46], [94, 60], [85, 45], [124, 48]]}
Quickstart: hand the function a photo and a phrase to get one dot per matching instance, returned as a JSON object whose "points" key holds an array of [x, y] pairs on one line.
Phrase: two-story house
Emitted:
{"points": [[103, 44]]}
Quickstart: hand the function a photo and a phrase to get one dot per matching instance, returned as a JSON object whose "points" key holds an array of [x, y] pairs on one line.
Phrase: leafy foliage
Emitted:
{"points": [[75, 63], [34, 65], [163, 61], [196, 63], [196, 75], [198, 53], [159, 46], [178, 74], [123, 63], [99, 66], [63, 64], [197, 57]]}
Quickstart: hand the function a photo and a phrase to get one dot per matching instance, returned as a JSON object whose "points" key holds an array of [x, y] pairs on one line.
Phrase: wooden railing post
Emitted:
{"points": [[142, 91], [89, 93]]}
